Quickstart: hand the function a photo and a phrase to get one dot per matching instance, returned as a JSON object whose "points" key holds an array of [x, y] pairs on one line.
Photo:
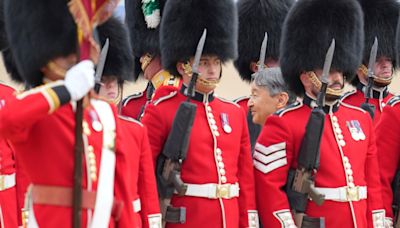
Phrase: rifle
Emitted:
{"points": [[78, 147], [77, 175], [370, 108], [169, 162], [85, 47], [302, 179]]}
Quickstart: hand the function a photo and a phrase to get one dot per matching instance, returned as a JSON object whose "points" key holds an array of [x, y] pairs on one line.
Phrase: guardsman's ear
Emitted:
{"points": [[361, 76], [305, 80], [253, 67]]}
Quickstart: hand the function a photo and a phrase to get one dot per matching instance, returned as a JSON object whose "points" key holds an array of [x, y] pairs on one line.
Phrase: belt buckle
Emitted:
{"points": [[2, 183], [223, 191], [353, 194]]}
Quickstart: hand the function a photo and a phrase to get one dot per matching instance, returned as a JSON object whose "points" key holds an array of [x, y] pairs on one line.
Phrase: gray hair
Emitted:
{"points": [[271, 79]]}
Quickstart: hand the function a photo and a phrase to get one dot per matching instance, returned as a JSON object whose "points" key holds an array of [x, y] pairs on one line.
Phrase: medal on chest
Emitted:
{"points": [[355, 129], [96, 124], [225, 123]]}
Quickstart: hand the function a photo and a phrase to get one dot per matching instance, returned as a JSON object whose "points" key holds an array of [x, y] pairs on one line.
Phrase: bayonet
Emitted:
{"points": [[199, 52], [195, 67], [372, 59], [371, 68], [325, 74], [100, 65], [328, 62], [263, 51]]}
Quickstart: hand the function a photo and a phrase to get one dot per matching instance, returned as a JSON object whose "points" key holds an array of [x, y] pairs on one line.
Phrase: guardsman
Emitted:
{"points": [[15, 176], [40, 124], [343, 172], [217, 174], [118, 61], [11, 180], [143, 19], [388, 152], [255, 19], [9, 207], [137, 164], [383, 27]]}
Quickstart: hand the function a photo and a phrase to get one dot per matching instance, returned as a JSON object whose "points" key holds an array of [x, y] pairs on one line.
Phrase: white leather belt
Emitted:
{"points": [[213, 191], [344, 194], [7, 181], [137, 206]]}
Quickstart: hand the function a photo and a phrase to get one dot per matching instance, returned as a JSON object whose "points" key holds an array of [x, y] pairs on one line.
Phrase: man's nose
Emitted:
{"points": [[212, 69], [386, 64], [334, 76], [250, 102]]}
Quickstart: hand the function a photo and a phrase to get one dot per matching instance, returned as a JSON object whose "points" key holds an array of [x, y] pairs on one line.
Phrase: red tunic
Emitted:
{"points": [[133, 105], [45, 148], [203, 165], [9, 208], [388, 144], [138, 170], [277, 151], [379, 100]]}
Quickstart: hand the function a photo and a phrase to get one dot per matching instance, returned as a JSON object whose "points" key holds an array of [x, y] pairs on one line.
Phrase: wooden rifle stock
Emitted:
{"points": [[78, 152]]}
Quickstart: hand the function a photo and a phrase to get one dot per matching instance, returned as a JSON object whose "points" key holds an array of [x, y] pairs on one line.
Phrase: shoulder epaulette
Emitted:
{"points": [[130, 97], [228, 101], [172, 81], [166, 97], [291, 107], [130, 119], [239, 99], [394, 100], [352, 106], [347, 94]]}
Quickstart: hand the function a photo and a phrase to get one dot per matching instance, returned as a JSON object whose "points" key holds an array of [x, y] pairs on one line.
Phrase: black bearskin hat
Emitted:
{"points": [[308, 32], [119, 61], [255, 18], [380, 20], [11, 68], [143, 39], [38, 31], [183, 24], [3, 37], [8, 60]]}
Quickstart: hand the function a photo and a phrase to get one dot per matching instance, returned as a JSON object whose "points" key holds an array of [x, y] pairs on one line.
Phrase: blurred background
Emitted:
{"points": [[231, 85]]}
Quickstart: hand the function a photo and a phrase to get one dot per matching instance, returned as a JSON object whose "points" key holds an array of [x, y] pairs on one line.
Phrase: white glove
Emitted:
{"points": [[79, 80]]}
